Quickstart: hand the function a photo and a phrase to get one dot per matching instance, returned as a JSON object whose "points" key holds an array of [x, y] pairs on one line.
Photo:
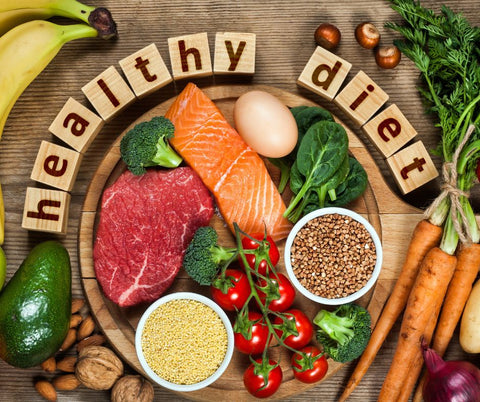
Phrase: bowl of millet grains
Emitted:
{"points": [[184, 341], [333, 256]]}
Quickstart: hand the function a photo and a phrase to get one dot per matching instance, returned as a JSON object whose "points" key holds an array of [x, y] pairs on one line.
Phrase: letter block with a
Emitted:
{"points": [[324, 73], [108, 93], [389, 130], [234, 53], [146, 71], [190, 56], [412, 167], [56, 166], [76, 125], [46, 210]]}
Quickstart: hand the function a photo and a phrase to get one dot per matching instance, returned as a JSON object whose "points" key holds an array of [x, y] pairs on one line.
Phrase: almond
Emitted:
{"points": [[66, 382], [49, 365], [77, 304], [46, 390], [69, 339], [94, 340], [67, 364], [75, 319], [86, 328]]}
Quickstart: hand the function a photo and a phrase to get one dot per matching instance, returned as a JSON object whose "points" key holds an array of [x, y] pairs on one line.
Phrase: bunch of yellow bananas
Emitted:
{"points": [[28, 43]]}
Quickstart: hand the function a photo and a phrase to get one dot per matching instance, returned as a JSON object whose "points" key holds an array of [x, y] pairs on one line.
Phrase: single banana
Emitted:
{"points": [[25, 51], [16, 12]]}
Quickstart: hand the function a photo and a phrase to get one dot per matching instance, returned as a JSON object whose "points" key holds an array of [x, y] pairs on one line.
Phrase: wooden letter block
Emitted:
{"points": [[146, 71], [324, 73], [56, 166], [361, 98], [412, 167], [108, 93], [389, 130], [190, 56], [46, 210], [76, 125], [234, 53]]}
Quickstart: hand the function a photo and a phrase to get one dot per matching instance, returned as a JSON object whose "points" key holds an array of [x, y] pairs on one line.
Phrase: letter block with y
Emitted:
{"points": [[190, 56], [56, 166], [234, 53], [324, 73], [46, 210], [76, 125]]}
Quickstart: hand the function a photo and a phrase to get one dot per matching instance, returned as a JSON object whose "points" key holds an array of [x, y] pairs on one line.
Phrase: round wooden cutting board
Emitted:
{"points": [[392, 218]]}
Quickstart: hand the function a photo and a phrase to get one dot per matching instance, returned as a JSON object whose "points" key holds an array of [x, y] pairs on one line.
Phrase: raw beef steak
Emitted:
{"points": [[146, 224]]}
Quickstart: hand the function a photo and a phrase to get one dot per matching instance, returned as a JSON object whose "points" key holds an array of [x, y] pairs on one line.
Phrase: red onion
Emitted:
{"points": [[449, 381]]}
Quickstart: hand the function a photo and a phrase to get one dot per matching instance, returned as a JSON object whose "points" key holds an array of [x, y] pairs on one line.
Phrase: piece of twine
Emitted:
{"points": [[450, 190]]}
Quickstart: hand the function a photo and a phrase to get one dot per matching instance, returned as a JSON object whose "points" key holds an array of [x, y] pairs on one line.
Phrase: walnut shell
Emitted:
{"points": [[98, 367], [132, 388]]}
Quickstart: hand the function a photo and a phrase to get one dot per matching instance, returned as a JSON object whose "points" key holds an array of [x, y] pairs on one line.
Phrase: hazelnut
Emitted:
{"points": [[132, 388], [98, 367], [327, 36], [388, 57], [367, 35]]}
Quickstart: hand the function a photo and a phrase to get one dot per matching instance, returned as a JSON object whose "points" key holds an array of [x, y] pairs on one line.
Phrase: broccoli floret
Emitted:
{"points": [[204, 257], [147, 145], [344, 332]]}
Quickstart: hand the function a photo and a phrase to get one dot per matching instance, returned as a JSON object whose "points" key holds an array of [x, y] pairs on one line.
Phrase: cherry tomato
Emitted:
{"points": [[314, 365], [232, 291], [295, 320], [285, 288], [262, 379], [259, 333], [268, 248]]}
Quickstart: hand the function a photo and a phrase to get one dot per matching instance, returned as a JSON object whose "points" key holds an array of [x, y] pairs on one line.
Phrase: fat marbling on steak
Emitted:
{"points": [[146, 223]]}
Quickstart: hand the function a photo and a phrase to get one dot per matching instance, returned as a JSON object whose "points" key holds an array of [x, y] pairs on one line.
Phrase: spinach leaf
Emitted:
{"points": [[355, 185], [331, 185]]}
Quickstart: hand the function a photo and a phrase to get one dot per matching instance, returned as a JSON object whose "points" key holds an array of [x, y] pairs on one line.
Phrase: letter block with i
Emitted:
{"points": [[412, 167], [46, 210], [234, 53], [361, 98], [190, 56], [324, 73], [108, 93], [146, 71]]}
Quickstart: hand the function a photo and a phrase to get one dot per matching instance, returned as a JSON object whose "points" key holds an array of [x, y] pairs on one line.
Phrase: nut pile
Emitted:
{"points": [[333, 256]]}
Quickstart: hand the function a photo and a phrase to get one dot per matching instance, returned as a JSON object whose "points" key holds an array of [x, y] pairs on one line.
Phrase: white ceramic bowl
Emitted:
{"points": [[342, 300], [188, 387]]}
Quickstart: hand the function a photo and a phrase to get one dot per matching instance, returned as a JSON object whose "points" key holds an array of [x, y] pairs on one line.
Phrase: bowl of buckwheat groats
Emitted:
{"points": [[333, 256], [184, 341]]}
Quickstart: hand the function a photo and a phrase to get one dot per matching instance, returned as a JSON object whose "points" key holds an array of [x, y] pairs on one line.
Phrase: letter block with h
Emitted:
{"points": [[190, 56]]}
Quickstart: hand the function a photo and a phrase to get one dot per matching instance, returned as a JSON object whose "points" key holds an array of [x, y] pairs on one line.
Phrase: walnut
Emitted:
{"points": [[132, 388], [98, 367]]}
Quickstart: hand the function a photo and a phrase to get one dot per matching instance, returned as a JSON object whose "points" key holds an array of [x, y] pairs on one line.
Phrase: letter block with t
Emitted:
{"points": [[76, 125], [389, 130], [234, 53], [46, 210], [108, 93], [146, 71], [324, 73], [190, 56], [56, 166], [412, 167]]}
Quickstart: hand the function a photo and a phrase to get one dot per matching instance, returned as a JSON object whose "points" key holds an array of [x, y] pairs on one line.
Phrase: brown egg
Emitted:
{"points": [[265, 123]]}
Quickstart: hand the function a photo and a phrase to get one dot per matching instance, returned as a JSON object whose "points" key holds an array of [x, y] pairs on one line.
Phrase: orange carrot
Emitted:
{"points": [[424, 237], [428, 291]]}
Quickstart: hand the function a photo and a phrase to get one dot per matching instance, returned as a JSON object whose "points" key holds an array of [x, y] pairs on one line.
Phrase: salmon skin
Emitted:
{"points": [[229, 168]]}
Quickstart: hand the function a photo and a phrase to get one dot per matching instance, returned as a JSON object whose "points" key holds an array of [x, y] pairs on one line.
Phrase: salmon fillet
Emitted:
{"points": [[229, 168]]}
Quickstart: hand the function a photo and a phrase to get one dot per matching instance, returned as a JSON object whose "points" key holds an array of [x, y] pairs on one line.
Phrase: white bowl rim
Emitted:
{"points": [[329, 211], [184, 387]]}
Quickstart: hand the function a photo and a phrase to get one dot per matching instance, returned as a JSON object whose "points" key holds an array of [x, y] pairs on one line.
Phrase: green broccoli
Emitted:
{"points": [[204, 257], [344, 332], [147, 144]]}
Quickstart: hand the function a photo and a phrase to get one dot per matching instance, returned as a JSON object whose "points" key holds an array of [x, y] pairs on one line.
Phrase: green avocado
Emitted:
{"points": [[35, 306]]}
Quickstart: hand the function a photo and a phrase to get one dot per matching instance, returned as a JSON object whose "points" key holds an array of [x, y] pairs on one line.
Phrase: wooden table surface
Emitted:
{"points": [[284, 32]]}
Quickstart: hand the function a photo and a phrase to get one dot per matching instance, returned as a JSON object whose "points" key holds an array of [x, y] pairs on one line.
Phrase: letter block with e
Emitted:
{"points": [[46, 210], [234, 53]]}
